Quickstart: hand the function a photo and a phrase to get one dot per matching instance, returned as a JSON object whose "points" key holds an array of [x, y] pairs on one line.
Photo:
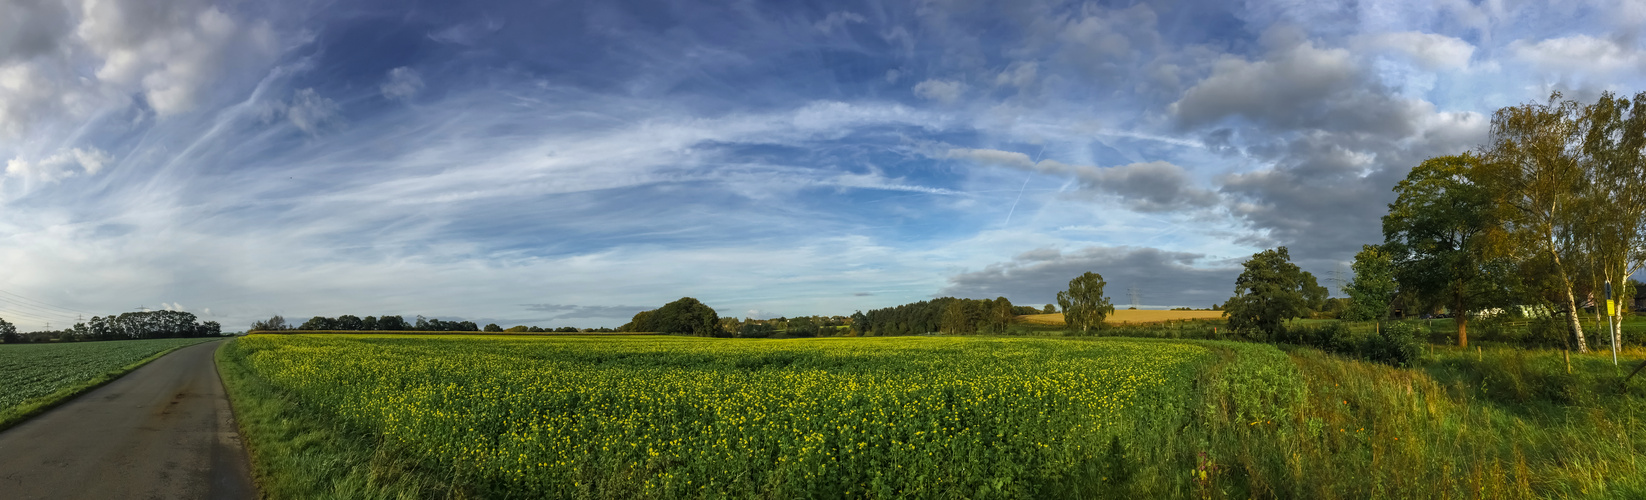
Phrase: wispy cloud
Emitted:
{"points": [[459, 162]]}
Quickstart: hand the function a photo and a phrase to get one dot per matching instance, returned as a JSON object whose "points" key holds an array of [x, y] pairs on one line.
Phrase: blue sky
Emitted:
{"points": [[571, 163]]}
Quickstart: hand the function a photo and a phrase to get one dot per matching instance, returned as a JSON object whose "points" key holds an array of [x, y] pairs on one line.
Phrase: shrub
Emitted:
{"points": [[1395, 344]]}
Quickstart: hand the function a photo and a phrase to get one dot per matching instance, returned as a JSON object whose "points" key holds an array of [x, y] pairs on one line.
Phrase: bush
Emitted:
{"points": [[1395, 344]]}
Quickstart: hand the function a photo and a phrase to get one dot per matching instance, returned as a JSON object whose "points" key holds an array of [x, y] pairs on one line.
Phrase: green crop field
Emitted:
{"points": [[35, 376], [669, 417], [359, 416]]}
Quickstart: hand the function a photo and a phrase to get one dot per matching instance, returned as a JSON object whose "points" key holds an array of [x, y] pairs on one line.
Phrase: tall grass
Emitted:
{"points": [[1494, 423]]}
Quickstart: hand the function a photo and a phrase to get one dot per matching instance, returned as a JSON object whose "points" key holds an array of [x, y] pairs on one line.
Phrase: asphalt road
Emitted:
{"points": [[163, 431]]}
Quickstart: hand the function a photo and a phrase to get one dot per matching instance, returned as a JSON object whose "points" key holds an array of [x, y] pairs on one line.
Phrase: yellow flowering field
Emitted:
{"points": [[669, 417]]}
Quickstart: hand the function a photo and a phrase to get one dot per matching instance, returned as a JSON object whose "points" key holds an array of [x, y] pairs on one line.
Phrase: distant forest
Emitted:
{"points": [[126, 326], [349, 322]]}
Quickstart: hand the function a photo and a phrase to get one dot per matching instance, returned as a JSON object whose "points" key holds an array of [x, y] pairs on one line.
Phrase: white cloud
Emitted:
{"points": [[944, 91], [309, 111], [172, 51], [1431, 51], [69, 60], [838, 20], [58, 166], [402, 83], [1579, 54]]}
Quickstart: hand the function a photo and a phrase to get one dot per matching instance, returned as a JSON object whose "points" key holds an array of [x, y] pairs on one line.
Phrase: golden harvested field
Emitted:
{"points": [[1127, 316]]}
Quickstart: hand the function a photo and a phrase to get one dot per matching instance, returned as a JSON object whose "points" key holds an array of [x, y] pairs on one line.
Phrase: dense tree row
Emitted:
{"points": [[800, 326], [942, 315], [392, 323], [126, 326]]}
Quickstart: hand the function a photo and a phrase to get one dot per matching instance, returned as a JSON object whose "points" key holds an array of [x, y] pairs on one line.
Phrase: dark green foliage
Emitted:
{"points": [[1118, 469], [492, 327], [685, 316], [1397, 344], [1373, 288], [392, 324], [1436, 235], [947, 315], [348, 322], [273, 324], [1270, 291], [8, 332]]}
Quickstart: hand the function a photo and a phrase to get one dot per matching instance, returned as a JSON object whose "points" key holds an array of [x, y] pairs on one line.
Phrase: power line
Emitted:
{"points": [[32, 309], [16, 314], [41, 303]]}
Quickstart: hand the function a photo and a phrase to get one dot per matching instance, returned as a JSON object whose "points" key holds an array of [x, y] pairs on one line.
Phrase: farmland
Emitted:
{"points": [[687, 417], [924, 417], [35, 376]]}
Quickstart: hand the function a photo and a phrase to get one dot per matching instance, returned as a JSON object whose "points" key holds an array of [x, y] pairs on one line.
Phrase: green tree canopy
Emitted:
{"points": [[1269, 292], [687, 316], [1373, 288], [1084, 305], [1436, 234]]}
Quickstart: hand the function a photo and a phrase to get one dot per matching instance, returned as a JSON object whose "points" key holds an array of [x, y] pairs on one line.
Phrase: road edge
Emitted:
{"points": [[234, 415], [31, 409]]}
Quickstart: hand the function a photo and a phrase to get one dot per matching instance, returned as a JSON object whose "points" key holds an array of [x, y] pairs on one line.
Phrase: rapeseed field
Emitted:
{"points": [[676, 417]]}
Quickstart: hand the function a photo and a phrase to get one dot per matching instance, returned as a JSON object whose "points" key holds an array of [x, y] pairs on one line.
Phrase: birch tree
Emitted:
{"points": [[1533, 165]]}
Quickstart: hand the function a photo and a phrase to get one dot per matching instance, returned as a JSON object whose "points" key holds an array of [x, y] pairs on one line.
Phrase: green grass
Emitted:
{"points": [[36, 377], [669, 417]]}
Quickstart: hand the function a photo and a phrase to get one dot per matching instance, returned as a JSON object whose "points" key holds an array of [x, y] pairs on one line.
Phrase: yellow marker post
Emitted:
{"points": [[1611, 330]]}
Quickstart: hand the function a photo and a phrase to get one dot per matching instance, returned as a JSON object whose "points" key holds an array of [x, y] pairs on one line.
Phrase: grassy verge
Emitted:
{"points": [[1496, 423], [30, 407], [298, 454]]}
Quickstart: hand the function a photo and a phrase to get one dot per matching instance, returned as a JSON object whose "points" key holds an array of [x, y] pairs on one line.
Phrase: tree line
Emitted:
{"points": [[1539, 221], [950, 315], [396, 323], [126, 326]]}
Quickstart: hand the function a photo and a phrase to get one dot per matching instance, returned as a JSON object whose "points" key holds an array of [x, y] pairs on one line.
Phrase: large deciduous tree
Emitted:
{"points": [[1268, 292], [686, 315], [1084, 305], [1437, 231]]}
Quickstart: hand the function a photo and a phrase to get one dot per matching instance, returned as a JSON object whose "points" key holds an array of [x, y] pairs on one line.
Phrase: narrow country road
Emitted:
{"points": [[163, 431]]}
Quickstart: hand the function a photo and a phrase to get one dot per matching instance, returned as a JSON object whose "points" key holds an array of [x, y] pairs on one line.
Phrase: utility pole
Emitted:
{"points": [[1135, 293]]}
